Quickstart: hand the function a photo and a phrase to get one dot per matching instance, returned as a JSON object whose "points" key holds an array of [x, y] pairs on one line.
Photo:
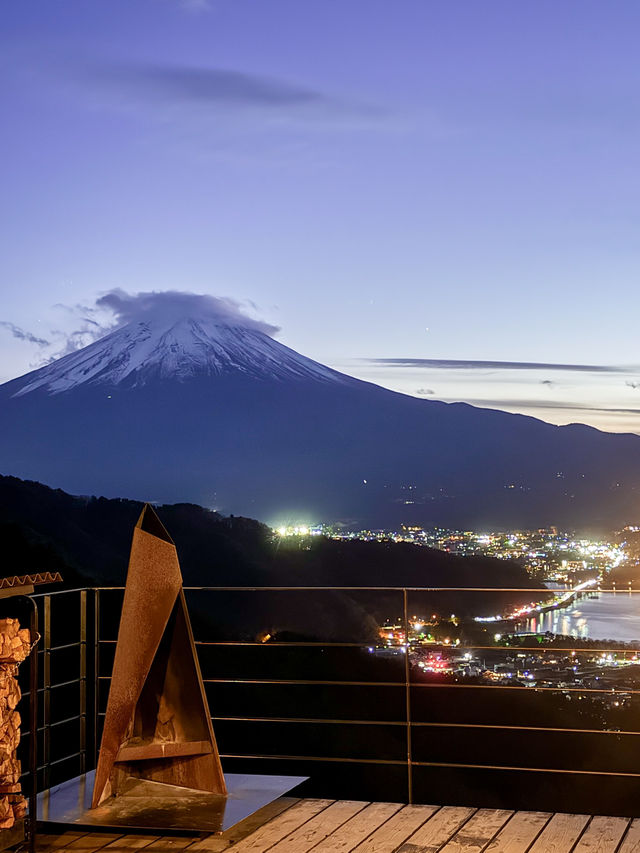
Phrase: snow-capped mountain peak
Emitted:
{"points": [[180, 348]]}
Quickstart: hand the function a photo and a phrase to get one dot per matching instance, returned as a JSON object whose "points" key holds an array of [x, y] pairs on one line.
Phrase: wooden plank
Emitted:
{"points": [[167, 843], [437, 830], [278, 828], [92, 841], [45, 841], [318, 828], [130, 842], [361, 826], [210, 844], [560, 834], [396, 830], [478, 831], [602, 835], [517, 835], [631, 842], [218, 843]]}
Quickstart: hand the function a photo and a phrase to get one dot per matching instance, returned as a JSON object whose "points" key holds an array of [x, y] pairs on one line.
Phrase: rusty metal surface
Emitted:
{"points": [[147, 653]]}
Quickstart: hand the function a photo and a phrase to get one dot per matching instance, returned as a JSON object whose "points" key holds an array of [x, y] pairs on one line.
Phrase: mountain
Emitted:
{"points": [[197, 406]]}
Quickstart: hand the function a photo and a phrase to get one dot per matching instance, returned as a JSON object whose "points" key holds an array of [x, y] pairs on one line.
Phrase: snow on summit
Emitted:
{"points": [[174, 336]]}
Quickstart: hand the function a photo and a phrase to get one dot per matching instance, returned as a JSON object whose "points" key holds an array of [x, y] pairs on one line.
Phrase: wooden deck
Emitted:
{"points": [[327, 826]]}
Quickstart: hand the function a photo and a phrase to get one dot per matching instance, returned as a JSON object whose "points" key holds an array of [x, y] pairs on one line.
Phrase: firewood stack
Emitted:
{"points": [[15, 645]]}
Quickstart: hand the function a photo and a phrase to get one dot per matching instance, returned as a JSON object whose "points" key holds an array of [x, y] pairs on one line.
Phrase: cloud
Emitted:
{"points": [[127, 308], [184, 85], [455, 364], [24, 335], [514, 403], [196, 5], [84, 324]]}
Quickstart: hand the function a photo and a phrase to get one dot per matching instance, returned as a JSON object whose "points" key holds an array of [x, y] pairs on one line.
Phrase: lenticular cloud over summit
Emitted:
{"points": [[169, 305], [170, 336]]}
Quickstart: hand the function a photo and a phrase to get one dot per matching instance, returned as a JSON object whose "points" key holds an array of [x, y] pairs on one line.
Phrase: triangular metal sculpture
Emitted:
{"points": [[157, 725]]}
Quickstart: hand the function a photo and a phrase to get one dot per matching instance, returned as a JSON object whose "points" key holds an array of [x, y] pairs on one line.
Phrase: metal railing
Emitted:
{"points": [[380, 723]]}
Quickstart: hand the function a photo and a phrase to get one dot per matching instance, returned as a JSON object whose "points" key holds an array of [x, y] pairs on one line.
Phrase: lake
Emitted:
{"points": [[605, 616]]}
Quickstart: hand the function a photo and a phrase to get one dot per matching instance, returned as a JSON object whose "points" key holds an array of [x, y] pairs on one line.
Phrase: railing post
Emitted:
{"points": [[96, 672], [33, 728], [407, 687], [46, 696], [83, 681]]}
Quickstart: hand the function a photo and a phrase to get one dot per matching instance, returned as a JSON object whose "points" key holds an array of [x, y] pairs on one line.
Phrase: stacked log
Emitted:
{"points": [[15, 645]]}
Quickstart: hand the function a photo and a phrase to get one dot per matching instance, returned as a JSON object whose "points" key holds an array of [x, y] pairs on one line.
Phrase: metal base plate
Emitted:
{"points": [[151, 805]]}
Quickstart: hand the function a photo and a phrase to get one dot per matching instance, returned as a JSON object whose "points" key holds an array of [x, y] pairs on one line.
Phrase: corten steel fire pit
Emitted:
{"points": [[157, 726], [158, 766]]}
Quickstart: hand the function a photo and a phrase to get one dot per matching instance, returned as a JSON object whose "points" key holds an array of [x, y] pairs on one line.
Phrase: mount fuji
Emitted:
{"points": [[190, 401]]}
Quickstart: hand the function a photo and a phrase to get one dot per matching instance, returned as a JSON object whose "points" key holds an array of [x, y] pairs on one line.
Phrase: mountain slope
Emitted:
{"points": [[196, 408]]}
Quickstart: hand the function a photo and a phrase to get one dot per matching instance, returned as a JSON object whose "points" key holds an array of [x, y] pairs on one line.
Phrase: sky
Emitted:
{"points": [[441, 197]]}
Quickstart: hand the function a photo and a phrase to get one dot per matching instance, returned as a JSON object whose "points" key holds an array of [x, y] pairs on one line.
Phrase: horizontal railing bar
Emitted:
{"points": [[424, 646], [63, 591], [60, 760], [610, 690], [440, 685], [303, 682], [255, 643], [526, 769], [57, 684], [397, 762], [284, 644], [312, 721], [65, 646], [451, 765], [544, 591], [62, 684], [289, 681], [53, 725], [525, 728], [625, 590], [320, 720], [403, 723], [541, 648]]}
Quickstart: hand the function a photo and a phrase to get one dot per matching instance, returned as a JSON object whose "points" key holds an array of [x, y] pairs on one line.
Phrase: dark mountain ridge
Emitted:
{"points": [[88, 540]]}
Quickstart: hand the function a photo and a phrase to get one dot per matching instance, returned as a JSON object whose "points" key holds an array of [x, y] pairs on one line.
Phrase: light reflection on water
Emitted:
{"points": [[606, 616]]}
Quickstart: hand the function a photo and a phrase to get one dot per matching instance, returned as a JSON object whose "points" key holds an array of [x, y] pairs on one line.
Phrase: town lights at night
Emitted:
{"points": [[297, 530]]}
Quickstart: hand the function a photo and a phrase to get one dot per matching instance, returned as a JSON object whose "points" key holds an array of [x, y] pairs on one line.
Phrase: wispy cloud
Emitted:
{"points": [[23, 334], [176, 86], [80, 325], [196, 5], [456, 364], [506, 403], [209, 85]]}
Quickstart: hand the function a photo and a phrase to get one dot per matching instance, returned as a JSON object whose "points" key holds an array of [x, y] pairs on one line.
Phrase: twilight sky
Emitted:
{"points": [[412, 190]]}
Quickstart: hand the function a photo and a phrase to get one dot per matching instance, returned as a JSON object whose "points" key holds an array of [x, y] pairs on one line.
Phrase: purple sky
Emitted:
{"points": [[417, 180]]}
